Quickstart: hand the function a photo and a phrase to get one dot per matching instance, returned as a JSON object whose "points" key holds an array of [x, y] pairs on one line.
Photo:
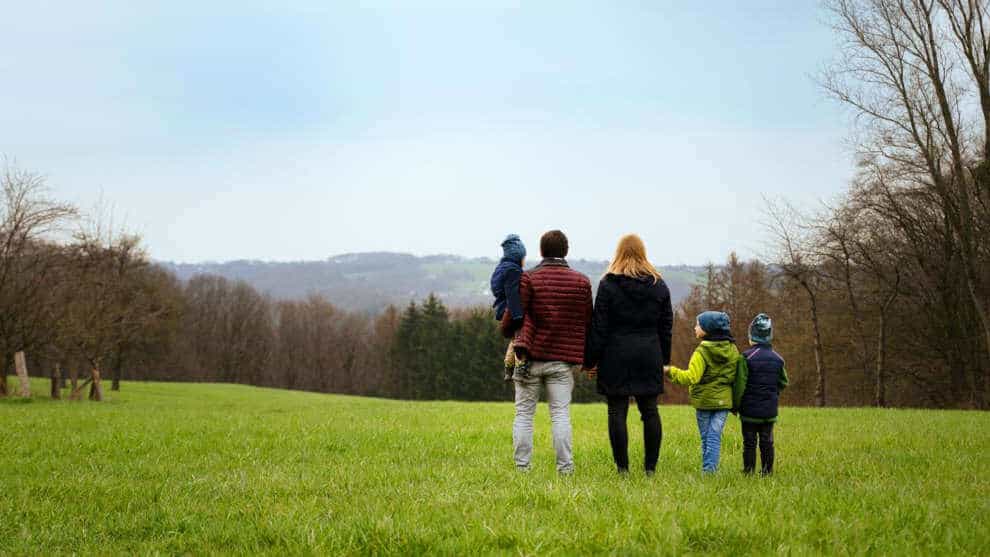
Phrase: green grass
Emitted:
{"points": [[178, 468]]}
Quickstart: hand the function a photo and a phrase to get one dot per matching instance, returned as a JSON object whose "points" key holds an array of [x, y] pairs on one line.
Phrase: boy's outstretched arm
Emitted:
{"points": [[692, 374]]}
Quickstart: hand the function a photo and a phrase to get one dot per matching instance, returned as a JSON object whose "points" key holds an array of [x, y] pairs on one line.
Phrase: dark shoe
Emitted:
{"points": [[650, 473], [623, 472]]}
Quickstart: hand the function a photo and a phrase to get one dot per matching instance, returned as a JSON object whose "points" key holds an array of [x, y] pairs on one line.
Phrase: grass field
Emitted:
{"points": [[178, 468]]}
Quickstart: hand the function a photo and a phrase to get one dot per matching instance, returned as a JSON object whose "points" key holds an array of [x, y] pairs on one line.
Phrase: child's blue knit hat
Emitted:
{"points": [[761, 329], [513, 248], [714, 322]]}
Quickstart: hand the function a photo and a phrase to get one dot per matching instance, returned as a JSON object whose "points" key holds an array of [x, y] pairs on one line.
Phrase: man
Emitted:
{"points": [[556, 302]]}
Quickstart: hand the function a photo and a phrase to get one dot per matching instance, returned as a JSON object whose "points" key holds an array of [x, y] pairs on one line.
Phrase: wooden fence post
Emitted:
{"points": [[74, 382], [96, 388], [57, 382], [4, 390], [20, 364]]}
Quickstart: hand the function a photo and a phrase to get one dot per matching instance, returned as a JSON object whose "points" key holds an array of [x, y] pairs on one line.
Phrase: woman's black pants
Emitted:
{"points": [[618, 409]]}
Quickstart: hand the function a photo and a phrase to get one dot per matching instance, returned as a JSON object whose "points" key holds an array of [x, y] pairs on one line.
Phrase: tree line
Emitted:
{"points": [[885, 291], [901, 262], [81, 301], [856, 317]]}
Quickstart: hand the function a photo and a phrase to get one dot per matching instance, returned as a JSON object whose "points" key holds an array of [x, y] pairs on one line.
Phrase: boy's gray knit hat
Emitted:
{"points": [[714, 322], [761, 329], [513, 248]]}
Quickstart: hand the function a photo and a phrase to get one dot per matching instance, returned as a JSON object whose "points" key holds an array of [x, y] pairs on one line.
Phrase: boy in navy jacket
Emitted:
{"points": [[756, 393], [505, 288]]}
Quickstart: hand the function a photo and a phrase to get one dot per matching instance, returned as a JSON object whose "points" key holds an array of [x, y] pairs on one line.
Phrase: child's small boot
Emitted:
{"points": [[522, 369]]}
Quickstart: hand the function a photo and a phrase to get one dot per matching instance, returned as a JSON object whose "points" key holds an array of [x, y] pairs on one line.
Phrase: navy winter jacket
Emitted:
{"points": [[505, 288]]}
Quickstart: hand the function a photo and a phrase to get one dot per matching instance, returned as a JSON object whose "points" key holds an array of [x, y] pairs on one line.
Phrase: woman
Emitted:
{"points": [[629, 344]]}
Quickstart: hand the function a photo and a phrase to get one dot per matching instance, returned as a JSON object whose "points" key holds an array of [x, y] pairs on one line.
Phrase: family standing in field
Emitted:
{"points": [[623, 338]]}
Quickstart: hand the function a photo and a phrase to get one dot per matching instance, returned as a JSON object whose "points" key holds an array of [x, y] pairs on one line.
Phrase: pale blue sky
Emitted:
{"points": [[300, 130]]}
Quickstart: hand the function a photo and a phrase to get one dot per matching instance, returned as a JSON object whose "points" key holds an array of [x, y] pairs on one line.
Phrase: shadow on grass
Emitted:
{"points": [[14, 400]]}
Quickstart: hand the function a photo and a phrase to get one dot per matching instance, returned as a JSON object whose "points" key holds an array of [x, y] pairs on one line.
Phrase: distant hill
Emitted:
{"points": [[371, 281]]}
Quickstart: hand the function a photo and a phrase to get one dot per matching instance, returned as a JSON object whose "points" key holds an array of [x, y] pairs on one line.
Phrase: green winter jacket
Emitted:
{"points": [[710, 375]]}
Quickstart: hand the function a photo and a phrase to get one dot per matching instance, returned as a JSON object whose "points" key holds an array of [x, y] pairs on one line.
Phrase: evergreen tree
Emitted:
{"points": [[435, 366], [404, 351]]}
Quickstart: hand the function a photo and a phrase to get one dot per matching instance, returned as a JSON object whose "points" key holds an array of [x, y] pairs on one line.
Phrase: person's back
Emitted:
{"points": [[713, 391], [761, 396], [505, 279], [556, 301], [506, 274], [756, 394], [628, 345], [711, 376], [630, 341]]}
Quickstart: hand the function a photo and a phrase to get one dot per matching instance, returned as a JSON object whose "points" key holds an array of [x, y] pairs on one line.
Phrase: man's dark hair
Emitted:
{"points": [[553, 244]]}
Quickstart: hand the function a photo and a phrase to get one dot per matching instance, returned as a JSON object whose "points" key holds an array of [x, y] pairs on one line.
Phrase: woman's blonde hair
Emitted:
{"points": [[630, 259]]}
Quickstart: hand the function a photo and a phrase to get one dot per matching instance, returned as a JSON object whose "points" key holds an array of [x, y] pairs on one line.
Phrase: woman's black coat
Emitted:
{"points": [[630, 332]]}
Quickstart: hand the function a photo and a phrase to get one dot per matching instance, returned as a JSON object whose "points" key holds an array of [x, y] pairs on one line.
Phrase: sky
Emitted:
{"points": [[301, 130]]}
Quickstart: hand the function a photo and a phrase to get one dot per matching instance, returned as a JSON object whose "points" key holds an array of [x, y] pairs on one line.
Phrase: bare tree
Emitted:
{"points": [[56, 388], [912, 70], [145, 314], [99, 309], [29, 218], [796, 258], [836, 236], [874, 249], [232, 328]]}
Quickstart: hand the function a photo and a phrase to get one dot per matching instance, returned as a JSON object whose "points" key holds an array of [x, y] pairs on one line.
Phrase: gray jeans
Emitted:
{"points": [[558, 377]]}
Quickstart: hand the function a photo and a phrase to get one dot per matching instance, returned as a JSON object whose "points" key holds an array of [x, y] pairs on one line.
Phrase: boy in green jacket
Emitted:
{"points": [[710, 377]]}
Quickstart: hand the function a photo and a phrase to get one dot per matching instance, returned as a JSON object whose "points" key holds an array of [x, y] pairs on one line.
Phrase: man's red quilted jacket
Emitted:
{"points": [[556, 301]]}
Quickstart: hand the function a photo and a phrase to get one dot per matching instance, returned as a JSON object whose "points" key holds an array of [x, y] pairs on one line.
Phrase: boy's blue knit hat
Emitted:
{"points": [[513, 248], [714, 322], [761, 329]]}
